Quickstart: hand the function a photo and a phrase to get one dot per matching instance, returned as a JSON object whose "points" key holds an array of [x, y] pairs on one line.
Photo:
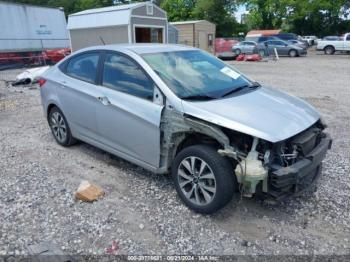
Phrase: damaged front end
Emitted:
{"points": [[274, 169], [286, 167]]}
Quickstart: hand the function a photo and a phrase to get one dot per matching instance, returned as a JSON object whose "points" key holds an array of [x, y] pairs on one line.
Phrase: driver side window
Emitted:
{"points": [[124, 75]]}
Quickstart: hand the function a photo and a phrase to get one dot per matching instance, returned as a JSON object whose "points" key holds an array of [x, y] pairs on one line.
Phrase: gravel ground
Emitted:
{"points": [[141, 211]]}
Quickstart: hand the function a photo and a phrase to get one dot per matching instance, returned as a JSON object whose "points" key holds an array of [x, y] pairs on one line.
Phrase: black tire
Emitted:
{"points": [[237, 52], [293, 53], [68, 139], [329, 50], [225, 180]]}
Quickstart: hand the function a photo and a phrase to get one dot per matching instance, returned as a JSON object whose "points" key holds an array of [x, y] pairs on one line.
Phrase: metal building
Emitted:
{"points": [[132, 23], [173, 34], [199, 33], [26, 28]]}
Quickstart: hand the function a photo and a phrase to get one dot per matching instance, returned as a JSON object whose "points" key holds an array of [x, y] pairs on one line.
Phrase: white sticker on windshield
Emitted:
{"points": [[229, 72]]}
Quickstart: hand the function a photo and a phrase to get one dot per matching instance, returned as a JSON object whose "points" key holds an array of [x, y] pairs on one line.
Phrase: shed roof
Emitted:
{"points": [[188, 22], [105, 16], [108, 9], [263, 32]]}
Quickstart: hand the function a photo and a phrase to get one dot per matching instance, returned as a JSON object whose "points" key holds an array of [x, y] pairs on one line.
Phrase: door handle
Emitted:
{"points": [[63, 84], [104, 100]]}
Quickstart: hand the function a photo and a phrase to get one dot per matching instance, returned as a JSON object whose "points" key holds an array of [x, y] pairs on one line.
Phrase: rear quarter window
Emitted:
{"points": [[83, 67]]}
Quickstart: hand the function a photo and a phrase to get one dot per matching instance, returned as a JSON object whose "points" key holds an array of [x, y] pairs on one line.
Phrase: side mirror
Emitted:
{"points": [[158, 97]]}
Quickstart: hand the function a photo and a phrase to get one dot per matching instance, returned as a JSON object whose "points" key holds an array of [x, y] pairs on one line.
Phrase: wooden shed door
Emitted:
{"points": [[148, 35], [202, 40]]}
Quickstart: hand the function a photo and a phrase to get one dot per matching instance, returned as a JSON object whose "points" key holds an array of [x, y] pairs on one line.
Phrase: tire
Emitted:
{"points": [[60, 128], [293, 53], [209, 190], [237, 52], [262, 53], [329, 50]]}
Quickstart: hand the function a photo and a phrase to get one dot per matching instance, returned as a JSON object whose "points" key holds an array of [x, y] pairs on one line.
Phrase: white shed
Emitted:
{"points": [[133, 23]]}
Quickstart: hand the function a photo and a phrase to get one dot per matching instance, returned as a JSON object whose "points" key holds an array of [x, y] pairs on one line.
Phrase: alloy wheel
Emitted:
{"points": [[197, 181], [58, 126]]}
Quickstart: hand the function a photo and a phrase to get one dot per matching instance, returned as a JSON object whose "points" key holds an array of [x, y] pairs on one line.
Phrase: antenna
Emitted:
{"points": [[103, 42]]}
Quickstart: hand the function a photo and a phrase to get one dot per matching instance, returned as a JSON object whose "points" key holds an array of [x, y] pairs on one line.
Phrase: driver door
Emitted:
{"points": [[127, 118]]}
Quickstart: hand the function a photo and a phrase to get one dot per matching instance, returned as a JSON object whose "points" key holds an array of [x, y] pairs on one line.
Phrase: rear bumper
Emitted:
{"points": [[297, 177], [226, 55]]}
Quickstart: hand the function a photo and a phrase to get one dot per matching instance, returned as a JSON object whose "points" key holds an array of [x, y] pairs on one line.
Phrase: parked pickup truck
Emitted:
{"points": [[330, 47]]}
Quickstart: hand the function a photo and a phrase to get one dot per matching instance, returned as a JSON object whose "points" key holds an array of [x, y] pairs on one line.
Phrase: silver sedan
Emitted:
{"points": [[283, 48], [177, 109], [244, 47]]}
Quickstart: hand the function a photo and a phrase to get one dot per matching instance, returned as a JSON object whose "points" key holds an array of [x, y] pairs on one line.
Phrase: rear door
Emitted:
{"points": [[77, 92], [347, 43], [127, 118]]}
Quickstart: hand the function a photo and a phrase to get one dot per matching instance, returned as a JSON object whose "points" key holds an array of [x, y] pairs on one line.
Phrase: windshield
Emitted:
{"points": [[195, 74]]}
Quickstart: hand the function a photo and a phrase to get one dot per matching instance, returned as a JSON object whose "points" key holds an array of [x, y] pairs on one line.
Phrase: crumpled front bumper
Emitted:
{"points": [[297, 177]]}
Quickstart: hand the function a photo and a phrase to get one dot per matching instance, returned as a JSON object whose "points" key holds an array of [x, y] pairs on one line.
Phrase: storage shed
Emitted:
{"points": [[132, 23], [199, 33], [173, 34]]}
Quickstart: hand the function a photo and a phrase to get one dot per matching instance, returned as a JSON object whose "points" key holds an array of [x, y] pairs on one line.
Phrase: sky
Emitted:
{"points": [[241, 10]]}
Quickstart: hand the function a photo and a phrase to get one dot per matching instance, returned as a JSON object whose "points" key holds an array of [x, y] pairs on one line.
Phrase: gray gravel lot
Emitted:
{"points": [[141, 211]]}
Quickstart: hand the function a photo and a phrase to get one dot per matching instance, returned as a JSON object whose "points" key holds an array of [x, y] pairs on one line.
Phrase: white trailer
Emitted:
{"points": [[26, 28]]}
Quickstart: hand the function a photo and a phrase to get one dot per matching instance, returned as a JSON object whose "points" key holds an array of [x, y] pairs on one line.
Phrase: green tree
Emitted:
{"points": [[219, 12], [320, 17], [179, 10], [267, 14], [316, 17]]}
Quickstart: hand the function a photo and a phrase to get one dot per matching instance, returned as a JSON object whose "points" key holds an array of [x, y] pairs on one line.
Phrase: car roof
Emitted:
{"points": [[141, 48]]}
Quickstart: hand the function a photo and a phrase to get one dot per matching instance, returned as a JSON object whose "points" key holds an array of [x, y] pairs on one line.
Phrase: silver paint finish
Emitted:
{"points": [[264, 113], [196, 180], [130, 127]]}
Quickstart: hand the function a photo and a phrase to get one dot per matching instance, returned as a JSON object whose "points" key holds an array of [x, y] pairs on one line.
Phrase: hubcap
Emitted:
{"points": [[58, 126], [196, 180]]}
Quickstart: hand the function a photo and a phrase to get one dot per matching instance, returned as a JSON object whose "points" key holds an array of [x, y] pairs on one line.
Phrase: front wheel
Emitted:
{"points": [[203, 179], [293, 53], [237, 52]]}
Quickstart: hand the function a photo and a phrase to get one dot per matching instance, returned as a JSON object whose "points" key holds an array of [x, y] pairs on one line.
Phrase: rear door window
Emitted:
{"points": [[84, 67], [348, 37], [123, 74]]}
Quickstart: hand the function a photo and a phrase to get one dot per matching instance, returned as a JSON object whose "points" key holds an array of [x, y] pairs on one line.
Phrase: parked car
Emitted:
{"points": [[260, 39], [177, 109], [283, 48], [331, 46], [332, 38], [311, 39], [223, 47], [299, 43], [245, 47], [290, 37]]}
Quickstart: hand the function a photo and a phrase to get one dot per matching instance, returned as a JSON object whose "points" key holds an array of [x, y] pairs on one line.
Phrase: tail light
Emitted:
{"points": [[41, 81]]}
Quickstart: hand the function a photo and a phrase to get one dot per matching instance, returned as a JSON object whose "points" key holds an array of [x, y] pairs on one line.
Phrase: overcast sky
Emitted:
{"points": [[239, 12]]}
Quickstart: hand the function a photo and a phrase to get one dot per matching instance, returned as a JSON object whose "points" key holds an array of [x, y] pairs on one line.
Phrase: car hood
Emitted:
{"points": [[265, 113]]}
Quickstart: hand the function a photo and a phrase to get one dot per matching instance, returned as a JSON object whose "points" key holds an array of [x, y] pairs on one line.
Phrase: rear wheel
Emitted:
{"points": [[60, 128], [329, 50], [203, 179]]}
